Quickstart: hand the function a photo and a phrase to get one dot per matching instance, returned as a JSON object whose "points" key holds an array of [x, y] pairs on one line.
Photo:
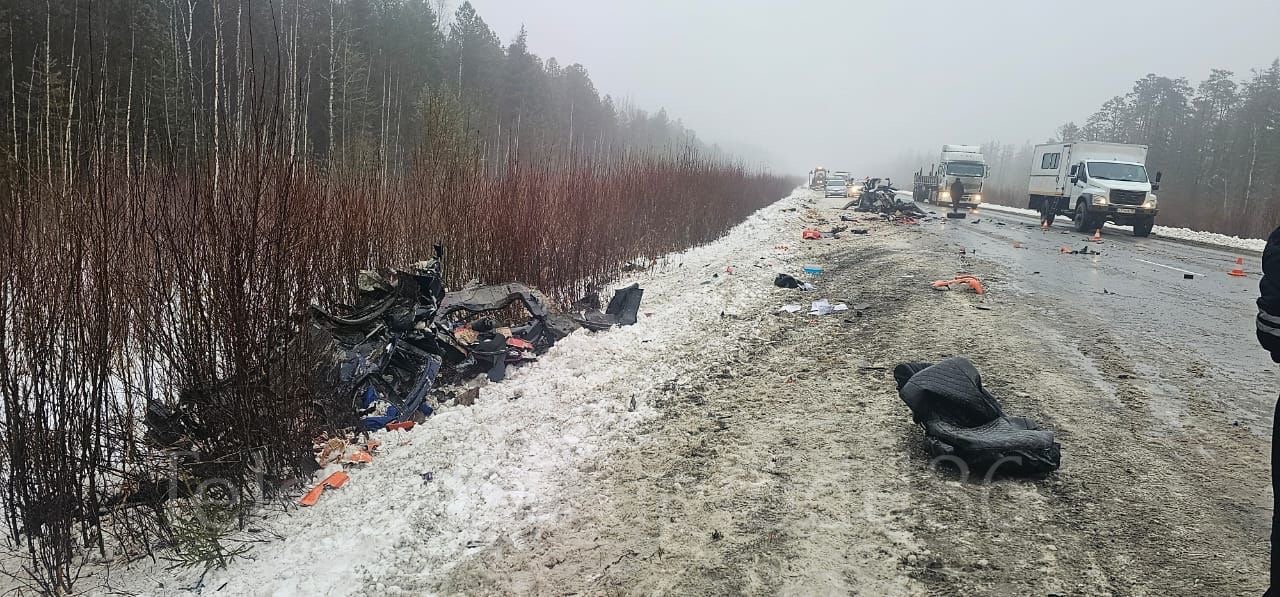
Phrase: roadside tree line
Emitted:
{"points": [[1217, 143], [353, 82]]}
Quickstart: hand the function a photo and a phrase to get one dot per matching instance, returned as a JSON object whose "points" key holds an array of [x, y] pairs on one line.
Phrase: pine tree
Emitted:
{"points": [[1069, 132], [1108, 123]]}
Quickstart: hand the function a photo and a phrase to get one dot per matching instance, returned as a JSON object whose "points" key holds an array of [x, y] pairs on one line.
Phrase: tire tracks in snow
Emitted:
{"points": [[771, 465]]}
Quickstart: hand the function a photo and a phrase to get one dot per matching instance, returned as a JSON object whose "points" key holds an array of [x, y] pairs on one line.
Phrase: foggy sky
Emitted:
{"points": [[851, 85]]}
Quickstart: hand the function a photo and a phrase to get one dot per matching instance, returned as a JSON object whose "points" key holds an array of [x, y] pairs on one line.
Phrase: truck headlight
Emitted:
{"points": [[1099, 199], [977, 198], [1150, 203], [944, 195]]}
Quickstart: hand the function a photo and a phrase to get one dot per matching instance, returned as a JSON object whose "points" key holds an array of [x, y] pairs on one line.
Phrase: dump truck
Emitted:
{"points": [[956, 162], [1094, 183]]}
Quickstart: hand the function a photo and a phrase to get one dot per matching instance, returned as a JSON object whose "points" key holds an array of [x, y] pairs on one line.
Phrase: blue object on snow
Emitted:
{"points": [[376, 423], [370, 396]]}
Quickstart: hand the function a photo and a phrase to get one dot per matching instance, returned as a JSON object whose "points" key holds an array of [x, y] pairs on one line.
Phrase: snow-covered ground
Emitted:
{"points": [[771, 454], [496, 465], [1184, 234]]}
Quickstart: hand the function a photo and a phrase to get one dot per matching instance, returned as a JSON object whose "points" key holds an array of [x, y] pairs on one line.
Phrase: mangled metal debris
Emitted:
{"points": [[406, 336]]}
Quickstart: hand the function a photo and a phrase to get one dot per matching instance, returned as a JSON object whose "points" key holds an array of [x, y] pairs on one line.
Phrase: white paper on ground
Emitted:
{"points": [[820, 307]]}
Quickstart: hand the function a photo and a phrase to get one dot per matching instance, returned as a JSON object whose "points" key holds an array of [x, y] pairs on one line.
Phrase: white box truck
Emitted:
{"points": [[956, 162], [1093, 183]]}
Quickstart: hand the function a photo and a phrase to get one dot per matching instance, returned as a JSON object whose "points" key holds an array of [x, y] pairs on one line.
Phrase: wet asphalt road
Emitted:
{"points": [[1183, 335]]}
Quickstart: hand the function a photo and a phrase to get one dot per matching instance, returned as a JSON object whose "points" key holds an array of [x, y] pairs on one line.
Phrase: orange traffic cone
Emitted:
{"points": [[1097, 236], [1238, 270]]}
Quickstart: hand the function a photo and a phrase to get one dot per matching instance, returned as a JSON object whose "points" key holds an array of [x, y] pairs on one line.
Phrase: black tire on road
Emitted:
{"points": [[1082, 219], [1142, 228]]}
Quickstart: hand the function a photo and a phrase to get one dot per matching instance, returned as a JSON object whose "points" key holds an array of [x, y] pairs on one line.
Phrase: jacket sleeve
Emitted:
{"points": [[1269, 297]]}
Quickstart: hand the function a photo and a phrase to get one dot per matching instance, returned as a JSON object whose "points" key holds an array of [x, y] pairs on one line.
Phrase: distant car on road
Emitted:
{"points": [[836, 187]]}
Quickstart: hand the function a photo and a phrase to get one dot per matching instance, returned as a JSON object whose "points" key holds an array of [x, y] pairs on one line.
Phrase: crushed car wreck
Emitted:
{"points": [[406, 336], [387, 349], [890, 203]]}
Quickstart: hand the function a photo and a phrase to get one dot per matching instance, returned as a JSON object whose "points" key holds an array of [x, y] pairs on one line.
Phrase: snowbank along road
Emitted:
{"points": [[718, 447]]}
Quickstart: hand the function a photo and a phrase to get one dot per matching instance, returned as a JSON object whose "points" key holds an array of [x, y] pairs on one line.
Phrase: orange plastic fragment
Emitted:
{"points": [[312, 496], [402, 425], [336, 480], [520, 343], [973, 283], [361, 457]]}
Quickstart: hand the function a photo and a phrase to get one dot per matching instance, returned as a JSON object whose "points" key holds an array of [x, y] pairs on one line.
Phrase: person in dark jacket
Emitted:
{"points": [[1269, 336], [957, 192], [1048, 214]]}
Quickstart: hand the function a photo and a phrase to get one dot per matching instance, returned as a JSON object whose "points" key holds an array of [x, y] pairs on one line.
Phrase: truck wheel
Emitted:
{"points": [[1082, 217], [1143, 227]]}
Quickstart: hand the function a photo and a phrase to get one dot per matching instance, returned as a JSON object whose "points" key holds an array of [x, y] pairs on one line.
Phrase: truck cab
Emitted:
{"points": [[817, 178], [970, 170], [1094, 183], [956, 162]]}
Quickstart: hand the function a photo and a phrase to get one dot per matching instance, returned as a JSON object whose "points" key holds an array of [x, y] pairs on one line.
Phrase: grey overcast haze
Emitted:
{"points": [[854, 84]]}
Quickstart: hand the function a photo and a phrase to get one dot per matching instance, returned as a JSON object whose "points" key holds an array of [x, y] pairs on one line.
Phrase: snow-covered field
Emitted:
{"points": [[495, 466]]}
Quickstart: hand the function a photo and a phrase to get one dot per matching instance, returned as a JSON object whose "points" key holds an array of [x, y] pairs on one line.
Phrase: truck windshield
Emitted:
{"points": [[966, 169], [1114, 171]]}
